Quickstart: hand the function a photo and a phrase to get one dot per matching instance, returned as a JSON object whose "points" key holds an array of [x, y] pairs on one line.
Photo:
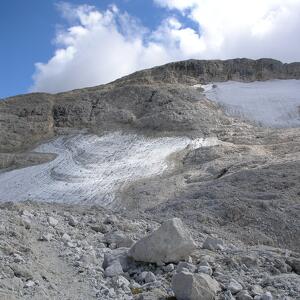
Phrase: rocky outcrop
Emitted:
{"points": [[170, 243], [156, 99], [29, 119], [204, 71], [24, 121]]}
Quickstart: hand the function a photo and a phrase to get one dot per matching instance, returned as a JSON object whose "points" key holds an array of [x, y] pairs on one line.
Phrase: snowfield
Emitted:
{"points": [[91, 169], [274, 103]]}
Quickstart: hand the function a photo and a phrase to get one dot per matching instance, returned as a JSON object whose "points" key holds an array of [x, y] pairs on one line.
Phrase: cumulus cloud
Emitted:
{"points": [[248, 28], [100, 46]]}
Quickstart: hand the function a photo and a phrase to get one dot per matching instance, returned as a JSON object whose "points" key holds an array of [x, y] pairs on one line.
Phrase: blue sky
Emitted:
{"points": [[28, 27], [49, 46]]}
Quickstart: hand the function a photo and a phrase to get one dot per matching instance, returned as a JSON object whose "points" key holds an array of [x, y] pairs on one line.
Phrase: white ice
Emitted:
{"points": [[91, 169], [274, 103]]}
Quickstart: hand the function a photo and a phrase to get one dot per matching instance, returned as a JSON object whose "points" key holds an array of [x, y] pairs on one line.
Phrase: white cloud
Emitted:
{"points": [[100, 46], [244, 28], [96, 50]]}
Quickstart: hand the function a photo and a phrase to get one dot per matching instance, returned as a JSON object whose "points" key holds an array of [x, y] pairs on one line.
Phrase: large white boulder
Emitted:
{"points": [[171, 242], [189, 286]]}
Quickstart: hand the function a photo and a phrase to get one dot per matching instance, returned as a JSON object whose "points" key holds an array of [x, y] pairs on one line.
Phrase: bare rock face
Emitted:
{"points": [[156, 99], [24, 121], [188, 286], [202, 71], [172, 242]]}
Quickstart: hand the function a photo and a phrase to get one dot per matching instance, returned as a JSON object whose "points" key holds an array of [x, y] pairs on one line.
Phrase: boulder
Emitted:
{"points": [[194, 286], [171, 242]]}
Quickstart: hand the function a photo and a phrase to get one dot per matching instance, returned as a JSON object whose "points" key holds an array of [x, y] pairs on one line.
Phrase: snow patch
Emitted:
{"points": [[274, 103], [91, 169]]}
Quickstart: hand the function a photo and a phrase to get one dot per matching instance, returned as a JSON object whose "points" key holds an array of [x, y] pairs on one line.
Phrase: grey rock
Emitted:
{"points": [[257, 290], [169, 268], [226, 296], [120, 255], [26, 221], [112, 220], [114, 269], [119, 239], [72, 221], [194, 286], [295, 264], [52, 221], [185, 265], [205, 270], [66, 238], [29, 284], [21, 271], [243, 295], [47, 237], [100, 228], [213, 244], [18, 258], [121, 282], [150, 277], [234, 286], [266, 296], [171, 242]]}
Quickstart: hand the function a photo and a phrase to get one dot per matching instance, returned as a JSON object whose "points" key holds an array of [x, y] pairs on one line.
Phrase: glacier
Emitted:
{"points": [[273, 103], [92, 169]]}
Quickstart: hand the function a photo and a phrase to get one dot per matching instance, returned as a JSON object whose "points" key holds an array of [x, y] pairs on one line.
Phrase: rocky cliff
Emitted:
{"points": [[157, 99], [204, 71]]}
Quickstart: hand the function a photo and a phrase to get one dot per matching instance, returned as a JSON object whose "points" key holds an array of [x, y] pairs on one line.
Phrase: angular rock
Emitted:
{"points": [[122, 282], [47, 237], [185, 265], [169, 268], [295, 264], [266, 296], [119, 239], [213, 244], [194, 286], [171, 242], [205, 270], [21, 271], [234, 286], [113, 270], [227, 296], [66, 237], [120, 255], [72, 221], [243, 295], [29, 284], [257, 290], [150, 277], [52, 221]]}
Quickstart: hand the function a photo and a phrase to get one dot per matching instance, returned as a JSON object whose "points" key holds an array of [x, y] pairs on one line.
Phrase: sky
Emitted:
{"points": [[54, 46]]}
